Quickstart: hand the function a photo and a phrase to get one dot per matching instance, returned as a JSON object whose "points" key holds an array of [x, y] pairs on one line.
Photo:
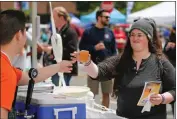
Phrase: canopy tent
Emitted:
{"points": [[116, 17], [75, 20], [163, 13]]}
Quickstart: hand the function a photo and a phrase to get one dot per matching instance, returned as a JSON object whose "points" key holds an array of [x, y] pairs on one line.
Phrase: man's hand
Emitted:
{"points": [[47, 49], [65, 66], [114, 92], [100, 46], [170, 45]]}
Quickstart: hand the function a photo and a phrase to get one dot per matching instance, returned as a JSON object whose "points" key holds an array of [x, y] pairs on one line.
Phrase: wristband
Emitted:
{"points": [[88, 63], [163, 98]]}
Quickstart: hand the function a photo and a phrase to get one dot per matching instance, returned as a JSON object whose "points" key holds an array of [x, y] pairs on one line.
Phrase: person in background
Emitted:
{"points": [[20, 60], [69, 41], [78, 30], [170, 51], [142, 61], [170, 47], [100, 42], [120, 36], [41, 47], [13, 39], [166, 34]]}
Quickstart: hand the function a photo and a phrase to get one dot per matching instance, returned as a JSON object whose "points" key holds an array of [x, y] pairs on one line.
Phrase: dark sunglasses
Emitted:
{"points": [[107, 17]]}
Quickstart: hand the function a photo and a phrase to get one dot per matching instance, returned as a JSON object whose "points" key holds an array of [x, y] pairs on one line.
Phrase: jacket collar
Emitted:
{"points": [[64, 28]]}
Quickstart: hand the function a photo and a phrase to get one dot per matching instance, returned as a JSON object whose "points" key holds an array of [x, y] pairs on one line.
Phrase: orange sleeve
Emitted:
{"points": [[7, 90], [8, 82]]}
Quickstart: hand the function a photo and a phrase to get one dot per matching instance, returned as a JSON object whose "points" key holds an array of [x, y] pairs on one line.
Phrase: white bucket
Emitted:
{"points": [[90, 99], [72, 91]]}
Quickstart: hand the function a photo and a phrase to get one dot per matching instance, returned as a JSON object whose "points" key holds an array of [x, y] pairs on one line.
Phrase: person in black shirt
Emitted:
{"points": [[100, 42], [170, 47], [170, 51], [69, 41], [142, 61]]}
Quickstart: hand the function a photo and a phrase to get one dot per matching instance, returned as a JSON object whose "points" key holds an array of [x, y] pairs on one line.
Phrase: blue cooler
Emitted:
{"points": [[46, 106]]}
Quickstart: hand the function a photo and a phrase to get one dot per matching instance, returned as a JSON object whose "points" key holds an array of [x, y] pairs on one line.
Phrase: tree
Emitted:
{"points": [[121, 6], [82, 6], [142, 5], [85, 7]]}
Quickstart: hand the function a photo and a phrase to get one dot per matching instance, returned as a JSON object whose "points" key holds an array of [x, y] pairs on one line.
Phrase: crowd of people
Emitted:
{"points": [[122, 62]]}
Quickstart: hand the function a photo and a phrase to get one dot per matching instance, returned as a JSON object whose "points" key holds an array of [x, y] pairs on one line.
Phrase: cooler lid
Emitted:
{"points": [[49, 99], [38, 87]]}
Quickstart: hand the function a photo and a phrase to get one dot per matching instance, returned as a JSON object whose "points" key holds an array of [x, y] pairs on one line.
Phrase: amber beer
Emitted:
{"points": [[83, 56]]}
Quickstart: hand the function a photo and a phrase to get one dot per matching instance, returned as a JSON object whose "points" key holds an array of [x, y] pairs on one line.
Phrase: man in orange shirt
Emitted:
{"points": [[13, 38]]}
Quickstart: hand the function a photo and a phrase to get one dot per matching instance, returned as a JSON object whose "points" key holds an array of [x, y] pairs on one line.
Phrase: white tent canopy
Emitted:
{"points": [[163, 13]]}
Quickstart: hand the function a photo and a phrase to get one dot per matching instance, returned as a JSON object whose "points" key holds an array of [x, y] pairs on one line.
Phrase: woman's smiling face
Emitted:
{"points": [[138, 40]]}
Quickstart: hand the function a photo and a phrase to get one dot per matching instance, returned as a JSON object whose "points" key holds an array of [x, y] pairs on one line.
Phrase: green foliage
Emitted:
{"points": [[82, 6], [27, 12], [85, 7], [142, 5], [121, 6]]}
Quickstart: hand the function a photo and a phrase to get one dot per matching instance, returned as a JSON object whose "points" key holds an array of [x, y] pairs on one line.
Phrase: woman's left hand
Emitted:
{"points": [[156, 99]]}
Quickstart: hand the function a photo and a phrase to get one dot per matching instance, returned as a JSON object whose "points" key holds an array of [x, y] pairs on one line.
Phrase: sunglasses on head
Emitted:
{"points": [[107, 17]]}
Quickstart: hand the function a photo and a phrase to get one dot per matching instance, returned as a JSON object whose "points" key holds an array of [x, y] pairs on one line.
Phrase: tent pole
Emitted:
{"points": [[34, 40]]}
